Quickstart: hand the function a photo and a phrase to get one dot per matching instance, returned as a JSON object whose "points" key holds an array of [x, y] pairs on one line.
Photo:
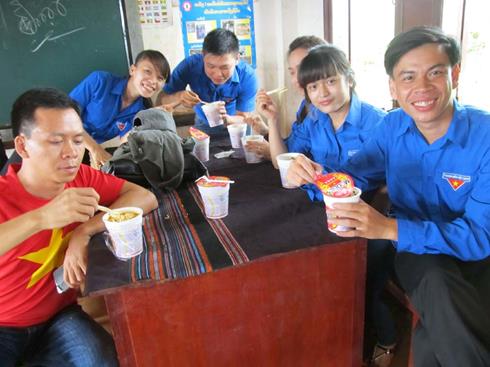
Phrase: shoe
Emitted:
{"points": [[382, 356]]}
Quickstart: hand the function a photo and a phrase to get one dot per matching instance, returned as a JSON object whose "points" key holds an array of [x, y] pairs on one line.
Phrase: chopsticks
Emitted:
{"points": [[277, 90]]}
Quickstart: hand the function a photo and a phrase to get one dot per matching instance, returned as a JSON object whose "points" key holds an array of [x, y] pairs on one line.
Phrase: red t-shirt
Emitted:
{"points": [[28, 294]]}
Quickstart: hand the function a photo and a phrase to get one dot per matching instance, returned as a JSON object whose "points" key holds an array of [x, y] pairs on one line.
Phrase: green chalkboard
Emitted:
{"points": [[57, 43]]}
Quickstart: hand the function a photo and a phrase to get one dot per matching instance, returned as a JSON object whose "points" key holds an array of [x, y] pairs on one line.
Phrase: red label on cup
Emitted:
{"points": [[335, 184], [198, 134], [204, 183]]}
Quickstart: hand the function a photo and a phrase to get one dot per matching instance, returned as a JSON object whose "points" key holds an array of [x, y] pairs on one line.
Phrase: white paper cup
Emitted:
{"points": [[211, 110], [283, 161], [201, 149], [330, 200], [126, 237], [215, 200], [250, 156], [237, 132]]}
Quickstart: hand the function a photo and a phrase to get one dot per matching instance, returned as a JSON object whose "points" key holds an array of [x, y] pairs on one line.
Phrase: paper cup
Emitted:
{"points": [[283, 161], [237, 132], [250, 156], [215, 198], [330, 200], [125, 237], [211, 110], [201, 149]]}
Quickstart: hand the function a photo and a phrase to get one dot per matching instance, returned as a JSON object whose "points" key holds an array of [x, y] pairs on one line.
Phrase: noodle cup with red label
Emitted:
{"points": [[214, 196], [201, 144], [337, 188]]}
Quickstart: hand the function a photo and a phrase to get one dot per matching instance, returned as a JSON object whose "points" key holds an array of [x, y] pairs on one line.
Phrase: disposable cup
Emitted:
{"points": [[283, 161], [331, 200], [214, 197], [237, 132], [251, 157], [201, 149], [125, 238], [211, 110]]}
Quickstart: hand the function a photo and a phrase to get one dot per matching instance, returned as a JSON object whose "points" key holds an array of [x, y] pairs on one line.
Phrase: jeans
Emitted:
{"points": [[70, 338]]}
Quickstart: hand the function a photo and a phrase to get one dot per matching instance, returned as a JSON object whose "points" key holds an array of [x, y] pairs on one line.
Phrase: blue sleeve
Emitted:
{"points": [[299, 140], [179, 79], [467, 237], [248, 90], [84, 91]]}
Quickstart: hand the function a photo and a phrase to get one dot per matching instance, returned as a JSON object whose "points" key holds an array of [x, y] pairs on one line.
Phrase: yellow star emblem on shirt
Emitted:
{"points": [[49, 257]]}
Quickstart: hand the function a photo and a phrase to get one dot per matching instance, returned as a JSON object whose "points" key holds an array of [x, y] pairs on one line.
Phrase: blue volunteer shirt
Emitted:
{"points": [[440, 192], [238, 92], [316, 137], [100, 97]]}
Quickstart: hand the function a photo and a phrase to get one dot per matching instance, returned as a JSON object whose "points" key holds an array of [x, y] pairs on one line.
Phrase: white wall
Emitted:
{"points": [[277, 23]]}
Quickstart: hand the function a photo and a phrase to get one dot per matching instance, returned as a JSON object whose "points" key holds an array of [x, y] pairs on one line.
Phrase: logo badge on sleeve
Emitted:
{"points": [[455, 180], [121, 125]]}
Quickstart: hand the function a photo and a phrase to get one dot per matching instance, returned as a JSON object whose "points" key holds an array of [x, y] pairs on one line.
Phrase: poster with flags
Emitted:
{"points": [[201, 17]]}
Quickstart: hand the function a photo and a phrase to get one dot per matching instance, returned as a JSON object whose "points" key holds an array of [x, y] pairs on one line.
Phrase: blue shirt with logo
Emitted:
{"points": [[99, 96], [238, 92], [316, 137], [440, 192]]}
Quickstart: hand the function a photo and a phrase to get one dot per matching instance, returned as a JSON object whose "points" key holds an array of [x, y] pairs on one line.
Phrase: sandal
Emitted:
{"points": [[382, 356]]}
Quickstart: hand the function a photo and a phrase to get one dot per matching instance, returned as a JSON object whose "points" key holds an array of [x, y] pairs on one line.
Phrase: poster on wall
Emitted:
{"points": [[154, 13], [201, 17]]}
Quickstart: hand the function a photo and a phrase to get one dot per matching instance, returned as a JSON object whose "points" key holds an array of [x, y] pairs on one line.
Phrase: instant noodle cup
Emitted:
{"points": [[211, 110], [251, 157], [125, 227], [237, 132], [214, 196], [354, 197], [201, 146], [284, 160], [335, 184]]}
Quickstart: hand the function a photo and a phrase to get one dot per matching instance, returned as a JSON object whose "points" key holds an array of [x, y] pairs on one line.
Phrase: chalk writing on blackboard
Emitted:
{"points": [[29, 23]]}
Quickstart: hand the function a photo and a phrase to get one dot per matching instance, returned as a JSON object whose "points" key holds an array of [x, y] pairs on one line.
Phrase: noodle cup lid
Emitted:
{"points": [[335, 184], [198, 134], [203, 183]]}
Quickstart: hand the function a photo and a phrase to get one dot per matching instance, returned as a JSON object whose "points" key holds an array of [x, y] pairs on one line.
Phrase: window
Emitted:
{"points": [[364, 39]]}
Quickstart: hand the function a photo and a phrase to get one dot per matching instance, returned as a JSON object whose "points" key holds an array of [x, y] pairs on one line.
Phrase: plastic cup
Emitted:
{"points": [[330, 200], [125, 237], [201, 149], [251, 157], [283, 161], [214, 197], [211, 110], [237, 132]]}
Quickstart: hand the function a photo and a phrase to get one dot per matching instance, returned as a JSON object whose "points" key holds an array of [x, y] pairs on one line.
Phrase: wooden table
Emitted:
{"points": [[298, 299]]}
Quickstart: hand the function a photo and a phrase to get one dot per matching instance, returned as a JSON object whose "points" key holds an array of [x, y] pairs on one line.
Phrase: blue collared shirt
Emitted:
{"points": [[316, 137], [99, 96], [238, 92], [440, 192]]}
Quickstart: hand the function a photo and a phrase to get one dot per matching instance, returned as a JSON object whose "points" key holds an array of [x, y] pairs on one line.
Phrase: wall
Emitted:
{"points": [[277, 23]]}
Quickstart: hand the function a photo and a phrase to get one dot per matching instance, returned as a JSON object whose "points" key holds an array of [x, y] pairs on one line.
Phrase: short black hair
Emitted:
{"points": [[322, 62], [416, 37], [305, 42], [158, 60], [220, 42], [25, 106]]}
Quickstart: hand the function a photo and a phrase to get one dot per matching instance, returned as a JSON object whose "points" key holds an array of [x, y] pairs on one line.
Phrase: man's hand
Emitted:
{"points": [[257, 124], [266, 106], [71, 205], [260, 147], [75, 263], [366, 221], [98, 156], [303, 170], [188, 98]]}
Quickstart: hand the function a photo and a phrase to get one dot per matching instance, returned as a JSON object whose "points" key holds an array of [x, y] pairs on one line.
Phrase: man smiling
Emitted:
{"points": [[435, 156], [215, 75]]}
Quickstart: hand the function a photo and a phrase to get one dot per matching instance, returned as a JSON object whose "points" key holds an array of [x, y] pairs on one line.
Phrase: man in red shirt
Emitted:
{"points": [[47, 217]]}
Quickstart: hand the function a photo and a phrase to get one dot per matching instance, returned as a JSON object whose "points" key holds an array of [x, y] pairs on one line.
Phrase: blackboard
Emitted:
{"points": [[57, 43]]}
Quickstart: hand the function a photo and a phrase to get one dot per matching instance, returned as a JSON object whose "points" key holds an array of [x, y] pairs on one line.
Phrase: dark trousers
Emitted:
{"points": [[452, 298]]}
